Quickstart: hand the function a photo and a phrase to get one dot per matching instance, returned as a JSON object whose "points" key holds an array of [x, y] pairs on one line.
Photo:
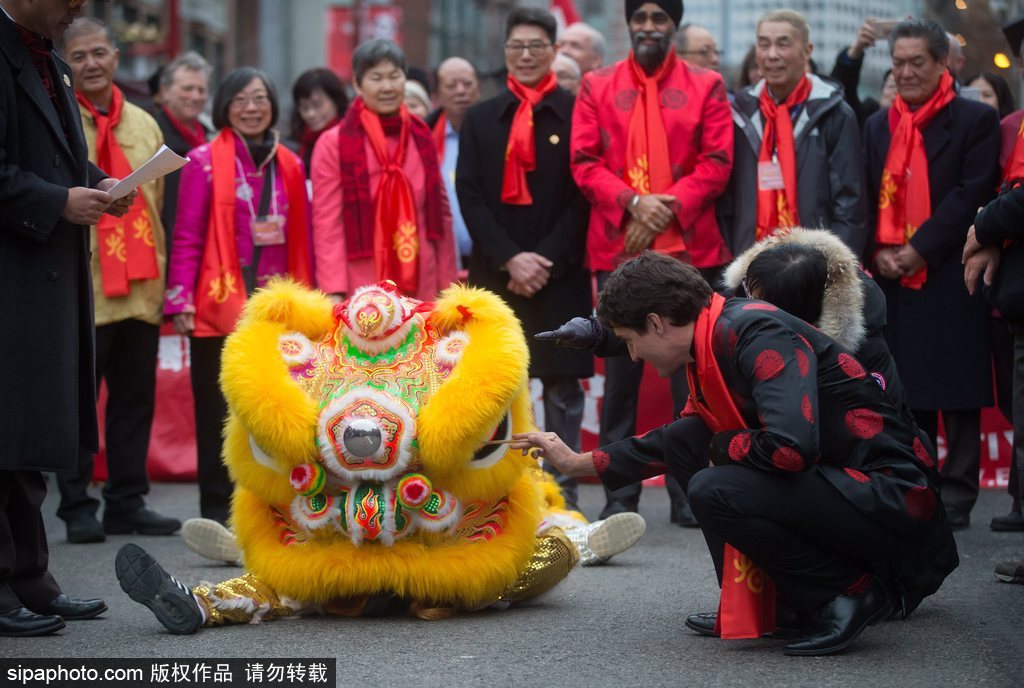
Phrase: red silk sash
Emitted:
{"points": [[126, 244], [220, 291], [648, 168], [1013, 172], [438, 133], [396, 241], [778, 208], [194, 135], [904, 201], [746, 608], [521, 150]]}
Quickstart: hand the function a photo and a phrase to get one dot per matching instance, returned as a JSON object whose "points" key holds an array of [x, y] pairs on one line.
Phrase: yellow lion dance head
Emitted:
{"points": [[364, 440]]}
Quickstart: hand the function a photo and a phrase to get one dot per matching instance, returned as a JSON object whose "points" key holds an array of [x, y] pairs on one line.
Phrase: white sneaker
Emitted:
{"points": [[210, 540], [615, 534]]}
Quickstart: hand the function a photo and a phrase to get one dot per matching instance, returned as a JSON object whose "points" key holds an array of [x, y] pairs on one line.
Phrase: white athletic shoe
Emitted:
{"points": [[210, 540], [601, 540]]}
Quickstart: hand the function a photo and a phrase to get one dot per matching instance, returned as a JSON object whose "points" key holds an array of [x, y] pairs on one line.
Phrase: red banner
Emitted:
{"points": [[346, 29]]}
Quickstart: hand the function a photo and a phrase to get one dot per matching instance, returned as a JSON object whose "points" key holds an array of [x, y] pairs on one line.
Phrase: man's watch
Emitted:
{"points": [[634, 202]]}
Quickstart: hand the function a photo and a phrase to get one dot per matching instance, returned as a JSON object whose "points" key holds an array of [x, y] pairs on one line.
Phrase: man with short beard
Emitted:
{"points": [[651, 150]]}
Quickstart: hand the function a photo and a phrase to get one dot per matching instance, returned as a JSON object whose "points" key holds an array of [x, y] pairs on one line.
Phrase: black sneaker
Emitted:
{"points": [[147, 583], [142, 521]]}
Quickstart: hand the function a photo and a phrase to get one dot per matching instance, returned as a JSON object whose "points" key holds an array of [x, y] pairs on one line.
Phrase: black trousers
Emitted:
{"points": [[24, 555], [960, 479], [1016, 487], [563, 415], [215, 486], [619, 411], [809, 539], [126, 357]]}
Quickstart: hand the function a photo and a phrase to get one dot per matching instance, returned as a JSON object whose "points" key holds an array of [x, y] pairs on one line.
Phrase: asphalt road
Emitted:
{"points": [[620, 624]]}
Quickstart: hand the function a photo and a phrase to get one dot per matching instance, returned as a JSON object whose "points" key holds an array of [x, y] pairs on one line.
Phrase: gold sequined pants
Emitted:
{"points": [[248, 600]]}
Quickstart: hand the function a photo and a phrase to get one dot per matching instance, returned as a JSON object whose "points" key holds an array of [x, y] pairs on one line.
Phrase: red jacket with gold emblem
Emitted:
{"points": [[698, 125]]}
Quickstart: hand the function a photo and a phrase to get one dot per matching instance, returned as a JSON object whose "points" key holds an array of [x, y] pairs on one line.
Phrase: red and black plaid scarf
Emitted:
{"points": [[357, 201]]}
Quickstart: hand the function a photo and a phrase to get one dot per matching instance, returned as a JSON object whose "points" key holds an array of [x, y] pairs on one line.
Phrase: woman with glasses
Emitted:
{"points": [[243, 218], [380, 211]]}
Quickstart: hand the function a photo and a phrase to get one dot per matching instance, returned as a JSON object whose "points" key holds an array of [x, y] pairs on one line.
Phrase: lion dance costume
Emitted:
{"points": [[368, 445]]}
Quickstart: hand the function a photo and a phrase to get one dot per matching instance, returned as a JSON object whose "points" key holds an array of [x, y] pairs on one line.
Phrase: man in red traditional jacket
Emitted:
{"points": [[820, 481], [652, 145]]}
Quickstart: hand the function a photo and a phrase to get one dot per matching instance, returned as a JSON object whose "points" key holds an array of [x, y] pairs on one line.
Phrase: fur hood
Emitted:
{"points": [[842, 311]]}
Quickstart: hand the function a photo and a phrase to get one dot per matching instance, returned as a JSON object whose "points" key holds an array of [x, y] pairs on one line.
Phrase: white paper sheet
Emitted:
{"points": [[163, 162]]}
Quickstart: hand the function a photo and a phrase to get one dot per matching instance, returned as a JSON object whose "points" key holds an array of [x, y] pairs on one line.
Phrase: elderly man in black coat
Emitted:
{"points": [[938, 333], [49, 195], [530, 249]]}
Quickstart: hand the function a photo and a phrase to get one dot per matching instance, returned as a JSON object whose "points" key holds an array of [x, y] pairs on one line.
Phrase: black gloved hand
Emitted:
{"points": [[578, 333]]}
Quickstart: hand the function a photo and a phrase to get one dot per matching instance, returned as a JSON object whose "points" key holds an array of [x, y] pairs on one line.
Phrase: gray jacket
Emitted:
{"points": [[830, 172]]}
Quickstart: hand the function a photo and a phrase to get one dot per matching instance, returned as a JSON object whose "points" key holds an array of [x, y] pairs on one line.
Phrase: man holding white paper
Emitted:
{"points": [[128, 264]]}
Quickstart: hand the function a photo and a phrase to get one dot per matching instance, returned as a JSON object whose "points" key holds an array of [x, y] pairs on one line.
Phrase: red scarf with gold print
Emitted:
{"points": [[904, 201], [648, 168], [1013, 172], [396, 245], [438, 133], [127, 251], [220, 293], [746, 608], [521, 149], [777, 208]]}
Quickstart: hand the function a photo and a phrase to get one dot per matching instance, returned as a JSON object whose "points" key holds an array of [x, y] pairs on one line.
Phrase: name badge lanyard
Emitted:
{"points": [[268, 200]]}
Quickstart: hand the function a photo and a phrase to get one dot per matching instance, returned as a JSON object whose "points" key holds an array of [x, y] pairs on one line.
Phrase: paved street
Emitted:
{"points": [[621, 624]]}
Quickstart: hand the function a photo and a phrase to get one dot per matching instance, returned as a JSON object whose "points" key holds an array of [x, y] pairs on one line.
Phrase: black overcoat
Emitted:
{"points": [[177, 143], [939, 335], [555, 225], [47, 379]]}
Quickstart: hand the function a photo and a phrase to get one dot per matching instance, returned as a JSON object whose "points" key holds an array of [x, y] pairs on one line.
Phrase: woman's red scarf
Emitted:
{"points": [[194, 135], [440, 137], [126, 243], [904, 200], [521, 148], [746, 608], [778, 208], [220, 292], [648, 168], [309, 138], [378, 226], [1013, 172]]}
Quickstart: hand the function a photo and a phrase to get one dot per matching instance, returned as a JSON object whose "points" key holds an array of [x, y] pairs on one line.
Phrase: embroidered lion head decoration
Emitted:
{"points": [[365, 443]]}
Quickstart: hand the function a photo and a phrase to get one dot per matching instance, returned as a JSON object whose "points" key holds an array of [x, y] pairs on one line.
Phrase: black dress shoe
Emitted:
{"points": [[841, 621], [147, 583], [85, 529], [71, 609], [20, 623], [682, 515], [958, 520], [617, 507], [142, 522], [788, 623], [1013, 521]]}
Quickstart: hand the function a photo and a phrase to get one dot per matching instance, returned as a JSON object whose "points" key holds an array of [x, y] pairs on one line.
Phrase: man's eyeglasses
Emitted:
{"points": [[536, 48]]}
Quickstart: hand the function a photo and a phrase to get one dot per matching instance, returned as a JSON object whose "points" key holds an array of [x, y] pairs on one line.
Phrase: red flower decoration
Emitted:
{"points": [[922, 454], [806, 409], [759, 307], [857, 475], [803, 363], [739, 446], [851, 367], [768, 364], [863, 423], [601, 461], [920, 503], [787, 459]]}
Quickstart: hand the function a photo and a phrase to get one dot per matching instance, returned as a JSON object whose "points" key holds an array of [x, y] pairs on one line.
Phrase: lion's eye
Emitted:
{"points": [[489, 454]]}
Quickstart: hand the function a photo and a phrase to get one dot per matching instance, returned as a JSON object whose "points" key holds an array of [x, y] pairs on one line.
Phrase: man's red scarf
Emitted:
{"points": [[439, 136], [126, 244], [778, 208], [1013, 172], [904, 201], [648, 168], [746, 608], [220, 292], [378, 226], [194, 135], [521, 149]]}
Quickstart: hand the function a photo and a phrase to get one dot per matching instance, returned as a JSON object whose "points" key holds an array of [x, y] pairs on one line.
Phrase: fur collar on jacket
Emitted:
{"points": [[842, 310]]}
